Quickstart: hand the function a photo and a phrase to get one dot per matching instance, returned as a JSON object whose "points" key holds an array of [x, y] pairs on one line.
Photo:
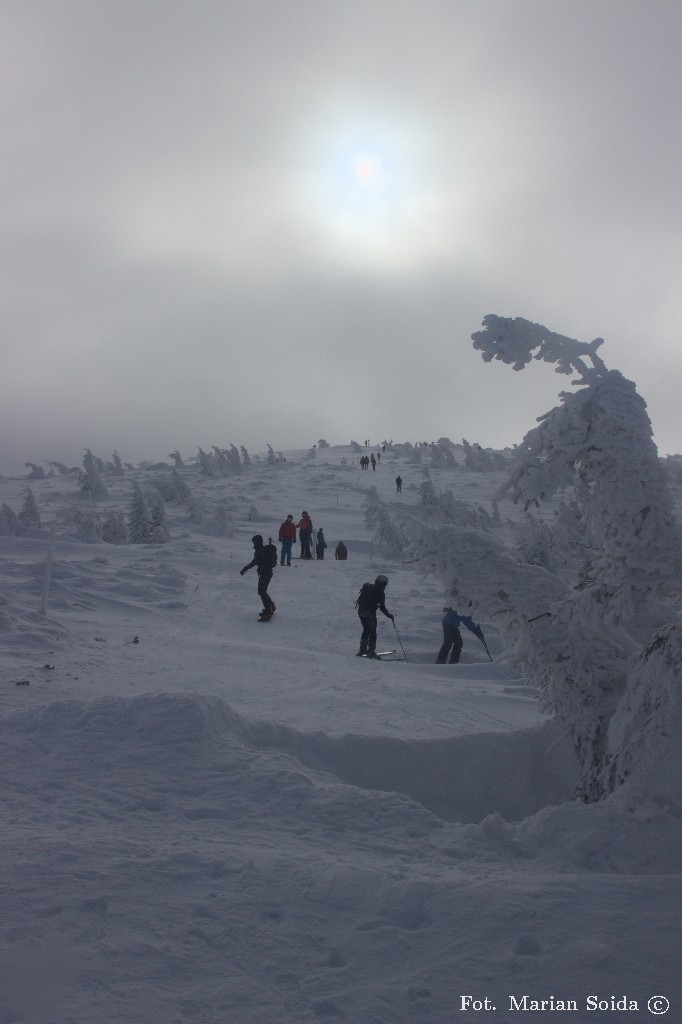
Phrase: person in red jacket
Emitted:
{"points": [[305, 535], [287, 535], [341, 553]]}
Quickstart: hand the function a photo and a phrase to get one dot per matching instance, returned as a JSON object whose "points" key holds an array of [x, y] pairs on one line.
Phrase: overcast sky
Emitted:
{"points": [[257, 221]]}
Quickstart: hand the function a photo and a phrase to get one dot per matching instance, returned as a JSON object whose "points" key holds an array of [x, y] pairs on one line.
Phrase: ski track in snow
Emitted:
{"points": [[230, 821]]}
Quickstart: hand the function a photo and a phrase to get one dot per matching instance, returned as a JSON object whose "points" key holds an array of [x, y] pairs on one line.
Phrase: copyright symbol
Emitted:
{"points": [[658, 1004]]}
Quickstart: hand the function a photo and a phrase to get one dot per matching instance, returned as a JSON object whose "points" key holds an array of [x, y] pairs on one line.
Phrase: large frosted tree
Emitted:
{"points": [[598, 444], [578, 644]]}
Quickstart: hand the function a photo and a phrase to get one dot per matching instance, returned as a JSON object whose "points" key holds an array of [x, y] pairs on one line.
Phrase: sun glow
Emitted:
{"points": [[370, 194]]}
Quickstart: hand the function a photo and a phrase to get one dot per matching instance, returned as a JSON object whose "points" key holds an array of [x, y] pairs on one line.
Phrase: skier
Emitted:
{"points": [[320, 544], [341, 552], [287, 536], [305, 534], [370, 599], [452, 638], [399, 484], [265, 560]]}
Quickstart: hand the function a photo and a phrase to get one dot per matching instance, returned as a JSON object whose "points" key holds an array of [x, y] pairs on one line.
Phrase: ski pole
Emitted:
{"points": [[400, 641], [482, 639]]}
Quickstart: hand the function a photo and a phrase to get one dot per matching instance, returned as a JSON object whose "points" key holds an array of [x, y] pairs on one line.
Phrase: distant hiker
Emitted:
{"points": [[287, 536], [399, 484], [452, 638], [305, 534], [320, 544], [373, 461], [371, 598], [341, 552], [265, 560]]}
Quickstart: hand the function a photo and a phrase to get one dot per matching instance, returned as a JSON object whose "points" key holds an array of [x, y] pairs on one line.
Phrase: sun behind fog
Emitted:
{"points": [[364, 169]]}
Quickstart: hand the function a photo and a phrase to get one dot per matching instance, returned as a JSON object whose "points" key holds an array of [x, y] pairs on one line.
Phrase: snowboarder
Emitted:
{"points": [[341, 552], [452, 638], [265, 560], [305, 535], [370, 599], [320, 544], [287, 536], [399, 484]]}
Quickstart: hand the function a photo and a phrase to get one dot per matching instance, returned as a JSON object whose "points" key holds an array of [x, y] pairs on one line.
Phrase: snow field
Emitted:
{"points": [[230, 821]]}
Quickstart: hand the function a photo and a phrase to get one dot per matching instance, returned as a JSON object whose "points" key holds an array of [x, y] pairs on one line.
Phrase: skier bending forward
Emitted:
{"points": [[371, 598]]}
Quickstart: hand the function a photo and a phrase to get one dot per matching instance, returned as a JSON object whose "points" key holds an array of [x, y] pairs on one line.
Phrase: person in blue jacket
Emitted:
{"points": [[452, 638]]}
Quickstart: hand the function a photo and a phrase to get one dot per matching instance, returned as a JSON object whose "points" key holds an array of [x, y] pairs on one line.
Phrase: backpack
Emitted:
{"points": [[365, 596], [271, 555]]}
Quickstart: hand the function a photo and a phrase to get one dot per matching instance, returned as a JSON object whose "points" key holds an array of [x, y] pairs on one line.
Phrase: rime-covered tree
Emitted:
{"points": [[114, 529], [116, 465], [91, 483], [222, 525], [205, 462], [37, 472], [173, 489], [10, 523], [29, 514], [644, 743], [158, 522], [598, 444], [88, 526], [139, 530], [177, 459], [388, 533], [482, 460], [271, 459]]}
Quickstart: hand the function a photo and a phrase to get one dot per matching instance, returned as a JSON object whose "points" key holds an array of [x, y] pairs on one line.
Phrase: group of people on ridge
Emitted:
{"points": [[265, 555], [372, 595], [287, 538]]}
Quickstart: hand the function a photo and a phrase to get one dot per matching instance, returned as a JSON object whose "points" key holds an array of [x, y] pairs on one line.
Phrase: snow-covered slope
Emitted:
{"points": [[207, 819]]}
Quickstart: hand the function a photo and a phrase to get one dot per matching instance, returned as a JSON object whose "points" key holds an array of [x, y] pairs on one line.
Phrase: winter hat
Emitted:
{"points": [[257, 540]]}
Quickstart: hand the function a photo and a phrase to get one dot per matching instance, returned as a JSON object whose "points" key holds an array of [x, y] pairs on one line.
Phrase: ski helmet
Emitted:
{"points": [[382, 579]]}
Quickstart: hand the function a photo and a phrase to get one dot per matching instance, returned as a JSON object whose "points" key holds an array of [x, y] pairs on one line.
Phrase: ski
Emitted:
{"points": [[384, 656]]}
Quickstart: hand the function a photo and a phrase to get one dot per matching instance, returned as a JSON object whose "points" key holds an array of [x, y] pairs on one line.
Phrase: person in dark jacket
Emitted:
{"points": [[320, 544], [287, 536], [341, 552], [399, 484], [305, 535], [452, 638], [370, 600], [263, 561]]}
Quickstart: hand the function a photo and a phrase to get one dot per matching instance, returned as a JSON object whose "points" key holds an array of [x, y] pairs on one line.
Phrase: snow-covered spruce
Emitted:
{"points": [[598, 443], [91, 483]]}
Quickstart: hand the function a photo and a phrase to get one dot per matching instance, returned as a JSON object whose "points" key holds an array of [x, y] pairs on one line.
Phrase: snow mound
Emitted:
{"points": [[464, 779]]}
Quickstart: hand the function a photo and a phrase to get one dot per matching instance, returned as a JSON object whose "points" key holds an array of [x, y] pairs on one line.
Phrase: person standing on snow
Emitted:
{"points": [[452, 638], [371, 599], [287, 537], [341, 552], [305, 535], [265, 560], [320, 544], [399, 484]]}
